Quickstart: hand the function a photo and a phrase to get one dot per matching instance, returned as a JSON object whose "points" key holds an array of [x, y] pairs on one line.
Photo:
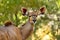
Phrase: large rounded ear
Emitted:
{"points": [[42, 10], [24, 10]]}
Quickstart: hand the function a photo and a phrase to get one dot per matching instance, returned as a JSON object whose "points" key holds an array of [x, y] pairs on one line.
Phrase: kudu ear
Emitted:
{"points": [[24, 10], [42, 10]]}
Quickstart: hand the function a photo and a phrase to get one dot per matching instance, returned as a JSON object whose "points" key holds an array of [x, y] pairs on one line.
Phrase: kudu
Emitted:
{"points": [[28, 27], [10, 32]]}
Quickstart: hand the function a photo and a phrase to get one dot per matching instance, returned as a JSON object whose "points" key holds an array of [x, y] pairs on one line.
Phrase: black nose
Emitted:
{"points": [[34, 21]]}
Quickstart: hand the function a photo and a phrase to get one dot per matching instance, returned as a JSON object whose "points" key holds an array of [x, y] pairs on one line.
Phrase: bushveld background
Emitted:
{"points": [[46, 28]]}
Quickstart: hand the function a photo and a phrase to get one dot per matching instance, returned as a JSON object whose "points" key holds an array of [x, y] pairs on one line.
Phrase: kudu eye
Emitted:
{"points": [[36, 15], [42, 13], [29, 16]]}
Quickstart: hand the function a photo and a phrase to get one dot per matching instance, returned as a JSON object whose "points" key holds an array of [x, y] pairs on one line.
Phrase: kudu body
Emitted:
{"points": [[11, 32]]}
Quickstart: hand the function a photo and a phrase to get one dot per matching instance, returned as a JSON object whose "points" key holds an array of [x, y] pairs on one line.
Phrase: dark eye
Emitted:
{"points": [[36, 15], [29, 16], [42, 13]]}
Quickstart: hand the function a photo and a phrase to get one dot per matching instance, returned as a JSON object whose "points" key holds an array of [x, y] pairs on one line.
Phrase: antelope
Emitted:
{"points": [[28, 27], [10, 32]]}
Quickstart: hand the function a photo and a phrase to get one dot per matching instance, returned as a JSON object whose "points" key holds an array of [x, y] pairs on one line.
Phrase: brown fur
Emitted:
{"points": [[27, 28], [10, 32]]}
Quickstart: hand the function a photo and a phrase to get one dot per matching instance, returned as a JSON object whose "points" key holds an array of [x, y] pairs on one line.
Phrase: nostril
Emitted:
{"points": [[34, 21]]}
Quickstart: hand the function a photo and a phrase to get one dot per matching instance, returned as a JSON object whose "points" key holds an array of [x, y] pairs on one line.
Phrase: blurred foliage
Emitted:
{"points": [[11, 10]]}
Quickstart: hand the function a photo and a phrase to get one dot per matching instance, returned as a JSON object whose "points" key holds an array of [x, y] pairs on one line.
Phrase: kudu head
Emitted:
{"points": [[31, 14]]}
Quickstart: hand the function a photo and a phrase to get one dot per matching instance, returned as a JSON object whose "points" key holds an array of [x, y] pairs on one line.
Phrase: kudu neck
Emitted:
{"points": [[26, 29]]}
